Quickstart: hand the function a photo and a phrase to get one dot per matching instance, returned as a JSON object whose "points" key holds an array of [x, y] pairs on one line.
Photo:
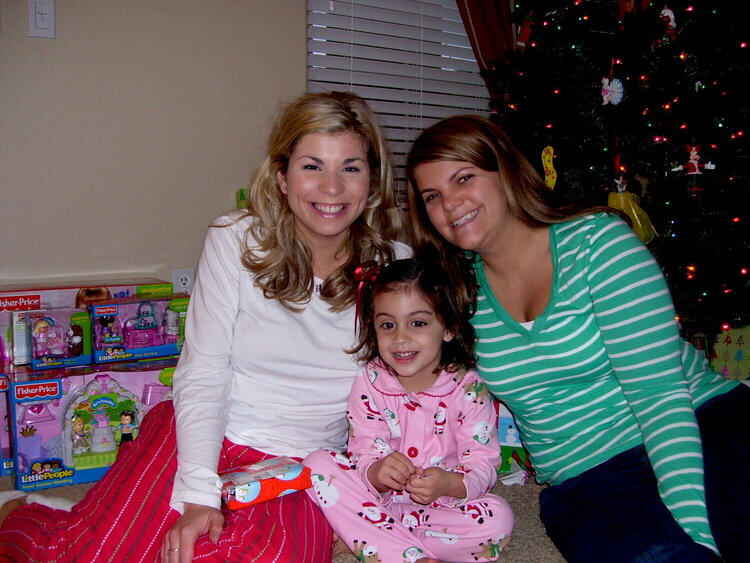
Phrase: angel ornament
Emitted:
{"points": [[612, 91]]}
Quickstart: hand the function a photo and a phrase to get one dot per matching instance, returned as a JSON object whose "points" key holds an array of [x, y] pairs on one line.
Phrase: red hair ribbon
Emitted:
{"points": [[367, 272]]}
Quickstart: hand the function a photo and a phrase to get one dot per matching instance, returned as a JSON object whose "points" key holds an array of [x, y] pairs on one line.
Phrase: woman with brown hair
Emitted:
{"points": [[643, 445]]}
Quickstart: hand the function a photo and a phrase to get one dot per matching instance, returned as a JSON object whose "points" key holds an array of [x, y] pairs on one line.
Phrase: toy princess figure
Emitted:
{"points": [[47, 338], [628, 203], [80, 436]]}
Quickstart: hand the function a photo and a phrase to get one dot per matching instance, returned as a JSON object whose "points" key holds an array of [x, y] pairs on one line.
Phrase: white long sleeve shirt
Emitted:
{"points": [[253, 371]]}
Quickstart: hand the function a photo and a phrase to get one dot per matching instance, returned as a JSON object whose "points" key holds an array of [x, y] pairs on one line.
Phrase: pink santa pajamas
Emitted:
{"points": [[452, 425]]}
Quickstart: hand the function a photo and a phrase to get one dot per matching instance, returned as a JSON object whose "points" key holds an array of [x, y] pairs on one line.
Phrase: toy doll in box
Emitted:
{"points": [[126, 329], [59, 338], [69, 424]]}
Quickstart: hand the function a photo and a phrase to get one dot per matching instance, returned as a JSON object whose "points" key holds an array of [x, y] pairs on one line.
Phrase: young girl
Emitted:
{"points": [[423, 448]]}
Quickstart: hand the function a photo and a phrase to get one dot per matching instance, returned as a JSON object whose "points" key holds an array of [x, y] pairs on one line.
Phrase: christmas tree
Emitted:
{"points": [[650, 100]]}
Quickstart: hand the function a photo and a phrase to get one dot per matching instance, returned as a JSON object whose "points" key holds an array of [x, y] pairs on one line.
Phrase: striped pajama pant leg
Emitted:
{"points": [[123, 517]]}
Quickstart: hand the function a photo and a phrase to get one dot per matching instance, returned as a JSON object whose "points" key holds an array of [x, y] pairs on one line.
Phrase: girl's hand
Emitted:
{"points": [[194, 522], [426, 485], [391, 472]]}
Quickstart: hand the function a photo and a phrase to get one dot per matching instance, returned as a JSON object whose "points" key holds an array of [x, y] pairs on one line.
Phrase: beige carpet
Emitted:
{"points": [[529, 543]]}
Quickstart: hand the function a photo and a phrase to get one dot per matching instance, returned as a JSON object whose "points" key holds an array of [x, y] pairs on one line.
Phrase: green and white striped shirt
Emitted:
{"points": [[603, 368]]}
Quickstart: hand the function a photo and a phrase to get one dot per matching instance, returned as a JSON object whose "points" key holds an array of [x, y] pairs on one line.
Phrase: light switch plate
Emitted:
{"points": [[42, 18]]}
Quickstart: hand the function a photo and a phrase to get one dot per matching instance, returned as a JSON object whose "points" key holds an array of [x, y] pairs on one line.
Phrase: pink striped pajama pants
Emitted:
{"points": [[123, 517]]}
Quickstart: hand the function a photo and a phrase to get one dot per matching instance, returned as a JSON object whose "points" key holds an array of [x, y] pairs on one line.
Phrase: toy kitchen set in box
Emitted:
{"points": [[68, 424]]}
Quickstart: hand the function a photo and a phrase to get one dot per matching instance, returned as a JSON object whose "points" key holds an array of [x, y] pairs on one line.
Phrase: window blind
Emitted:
{"points": [[410, 59]]}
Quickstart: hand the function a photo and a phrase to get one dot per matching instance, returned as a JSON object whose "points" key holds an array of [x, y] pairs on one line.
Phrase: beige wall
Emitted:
{"points": [[125, 135]]}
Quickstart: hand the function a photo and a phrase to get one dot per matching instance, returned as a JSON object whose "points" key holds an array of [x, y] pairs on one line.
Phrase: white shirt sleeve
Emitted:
{"points": [[202, 380]]}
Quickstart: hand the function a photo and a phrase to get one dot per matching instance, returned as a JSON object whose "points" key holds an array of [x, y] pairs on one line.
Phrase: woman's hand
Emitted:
{"points": [[391, 473], [179, 542], [426, 485]]}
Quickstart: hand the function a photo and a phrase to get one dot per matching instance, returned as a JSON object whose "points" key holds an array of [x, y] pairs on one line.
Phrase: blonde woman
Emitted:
{"points": [[263, 371]]}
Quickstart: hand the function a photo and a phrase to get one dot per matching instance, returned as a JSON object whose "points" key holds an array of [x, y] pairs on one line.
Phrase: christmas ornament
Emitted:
{"points": [[612, 91], [667, 16], [693, 167], [628, 203], [550, 175], [670, 29], [524, 33]]}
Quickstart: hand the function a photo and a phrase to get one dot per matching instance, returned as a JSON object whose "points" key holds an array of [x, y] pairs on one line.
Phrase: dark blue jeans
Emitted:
{"points": [[613, 513]]}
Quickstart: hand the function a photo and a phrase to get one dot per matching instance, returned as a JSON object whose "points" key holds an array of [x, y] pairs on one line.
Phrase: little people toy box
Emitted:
{"points": [[75, 294], [68, 424], [59, 337], [138, 328]]}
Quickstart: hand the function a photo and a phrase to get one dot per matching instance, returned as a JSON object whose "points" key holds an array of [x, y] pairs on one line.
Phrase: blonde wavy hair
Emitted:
{"points": [[278, 258]]}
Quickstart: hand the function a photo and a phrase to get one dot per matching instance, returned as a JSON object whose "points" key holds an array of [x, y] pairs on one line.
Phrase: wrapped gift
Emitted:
{"points": [[729, 357], [274, 477]]}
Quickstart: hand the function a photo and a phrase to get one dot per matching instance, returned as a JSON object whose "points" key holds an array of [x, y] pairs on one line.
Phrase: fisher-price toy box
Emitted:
{"points": [[68, 424], [138, 328], [6, 456], [36, 296], [58, 337]]}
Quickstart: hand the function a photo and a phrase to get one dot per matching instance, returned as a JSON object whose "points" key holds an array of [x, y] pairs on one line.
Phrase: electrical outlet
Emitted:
{"points": [[183, 279]]}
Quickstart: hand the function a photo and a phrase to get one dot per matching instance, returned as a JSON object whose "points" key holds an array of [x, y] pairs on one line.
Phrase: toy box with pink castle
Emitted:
{"points": [[68, 424], [138, 328], [51, 295]]}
